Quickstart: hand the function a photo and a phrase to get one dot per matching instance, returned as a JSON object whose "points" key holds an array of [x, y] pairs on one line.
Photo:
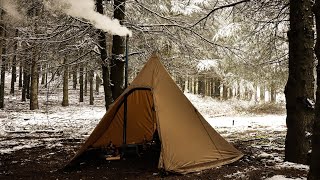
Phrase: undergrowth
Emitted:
{"points": [[264, 108]]}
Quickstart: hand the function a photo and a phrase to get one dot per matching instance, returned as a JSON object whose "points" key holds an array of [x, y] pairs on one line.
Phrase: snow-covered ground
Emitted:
{"points": [[21, 128], [78, 121]]}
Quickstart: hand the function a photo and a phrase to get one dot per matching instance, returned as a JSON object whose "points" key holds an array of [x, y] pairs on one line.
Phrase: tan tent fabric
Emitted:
{"points": [[188, 142]]}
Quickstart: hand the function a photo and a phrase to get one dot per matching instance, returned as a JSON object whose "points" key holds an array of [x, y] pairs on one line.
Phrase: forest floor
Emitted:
{"points": [[38, 144]]}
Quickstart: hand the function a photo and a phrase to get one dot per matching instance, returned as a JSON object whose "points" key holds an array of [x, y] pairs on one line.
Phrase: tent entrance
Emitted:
{"points": [[140, 122], [138, 116]]}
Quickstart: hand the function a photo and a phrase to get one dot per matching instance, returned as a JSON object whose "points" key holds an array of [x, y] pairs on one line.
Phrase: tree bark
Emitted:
{"points": [[314, 173], [300, 81], [34, 104], [20, 74], [65, 99], [74, 77], [255, 92], [118, 48], [189, 84], [91, 74], [86, 82], [26, 79], [81, 83], [43, 74], [238, 91], [224, 92], [262, 93], [3, 59], [14, 66], [98, 82], [273, 93], [3, 76], [230, 93], [211, 87], [195, 85], [181, 82], [246, 93], [217, 85], [201, 85], [104, 61]]}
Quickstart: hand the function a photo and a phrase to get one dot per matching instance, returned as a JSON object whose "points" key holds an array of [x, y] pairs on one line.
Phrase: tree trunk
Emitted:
{"points": [[26, 79], [104, 61], [190, 84], [86, 83], [273, 93], [74, 77], [20, 74], [246, 93], [81, 83], [118, 48], [217, 85], [65, 99], [46, 78], [43, 74], [91, 74], [238, 91], [3, 75], [208, 85], [34, 89], [300, 81], [211, 87], [98, 82], [195, 85], [255, 92], [224, 92], [34, 104], [230, 93], [3, 59], [181, 83], [262, 93], [14, 66], [201, 85], [314, 173]]}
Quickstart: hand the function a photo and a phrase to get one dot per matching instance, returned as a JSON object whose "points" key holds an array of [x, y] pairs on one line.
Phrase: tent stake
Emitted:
{"points": [[125, 97]]}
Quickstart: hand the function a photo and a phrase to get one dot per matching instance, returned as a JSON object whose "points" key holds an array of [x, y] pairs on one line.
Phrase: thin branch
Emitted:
{"points": [[218, 8]]}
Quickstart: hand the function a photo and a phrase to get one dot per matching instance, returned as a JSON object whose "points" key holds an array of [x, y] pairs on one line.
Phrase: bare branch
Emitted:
{"points": [[218, 8]]}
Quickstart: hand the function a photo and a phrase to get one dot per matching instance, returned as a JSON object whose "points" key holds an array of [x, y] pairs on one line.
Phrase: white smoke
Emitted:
{"points": [[10, 7], [86, 9]]}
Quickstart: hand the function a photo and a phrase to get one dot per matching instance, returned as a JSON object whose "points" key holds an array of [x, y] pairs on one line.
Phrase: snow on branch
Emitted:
{"points": [[207, 65]]}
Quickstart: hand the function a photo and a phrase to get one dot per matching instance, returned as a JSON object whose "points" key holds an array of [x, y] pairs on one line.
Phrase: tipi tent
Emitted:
{"points": [[154, 102]]}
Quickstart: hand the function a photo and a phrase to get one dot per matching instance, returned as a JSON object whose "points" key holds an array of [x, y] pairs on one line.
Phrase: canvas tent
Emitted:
{"points": [[154, 101]]}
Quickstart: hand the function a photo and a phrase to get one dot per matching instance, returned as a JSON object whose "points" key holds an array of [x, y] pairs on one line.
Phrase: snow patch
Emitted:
{"points": [[281, 177], [293, 166], [237, 175], [265, 155], [16, 148]]}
